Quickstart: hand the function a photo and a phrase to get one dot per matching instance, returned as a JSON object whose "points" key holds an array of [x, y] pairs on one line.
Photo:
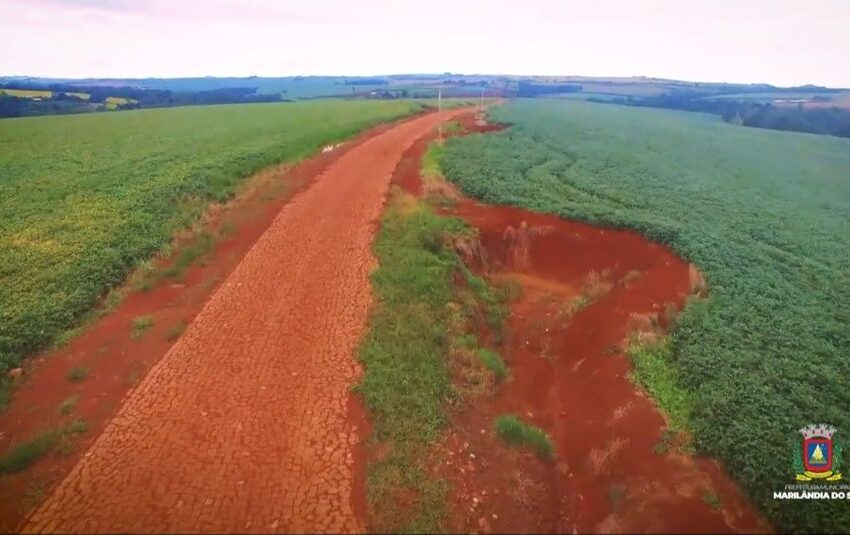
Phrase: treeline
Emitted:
{"points": [[832, 121], [22, 106], [366, 81], [64, 101], [530, 90]]}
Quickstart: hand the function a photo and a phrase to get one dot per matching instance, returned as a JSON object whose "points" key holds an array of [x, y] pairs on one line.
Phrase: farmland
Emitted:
{"points": [[34, 93], [27, 93], [763, 215], [85, 199]]}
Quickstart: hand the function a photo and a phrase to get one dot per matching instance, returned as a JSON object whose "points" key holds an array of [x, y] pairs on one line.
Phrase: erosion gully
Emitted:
{"points": [[569, 375]]}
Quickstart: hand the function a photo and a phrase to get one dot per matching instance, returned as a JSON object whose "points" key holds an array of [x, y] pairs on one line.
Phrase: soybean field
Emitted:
{"points": [[764, 214]]}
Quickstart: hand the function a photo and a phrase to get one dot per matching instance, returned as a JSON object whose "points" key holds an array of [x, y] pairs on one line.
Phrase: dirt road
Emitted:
{"points": [[247, 423]]}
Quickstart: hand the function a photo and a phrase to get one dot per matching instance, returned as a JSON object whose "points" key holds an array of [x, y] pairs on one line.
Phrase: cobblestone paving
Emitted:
{"points": [[242, 426]]}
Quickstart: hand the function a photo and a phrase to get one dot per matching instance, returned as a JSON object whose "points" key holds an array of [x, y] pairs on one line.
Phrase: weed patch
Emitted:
{"points": [[5, 393], [199, 246], [518, 433], [22, 456], [140, 325], [493, 362], [711, 499], [67, 406], [77, 373]]}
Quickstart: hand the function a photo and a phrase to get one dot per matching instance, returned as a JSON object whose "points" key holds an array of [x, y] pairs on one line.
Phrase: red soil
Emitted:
{"points": [[168, 461], [569, 376], [475, 123]]}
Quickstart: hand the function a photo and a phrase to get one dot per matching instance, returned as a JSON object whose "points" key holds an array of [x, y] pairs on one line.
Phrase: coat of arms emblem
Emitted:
{"points": [[818, 456]]}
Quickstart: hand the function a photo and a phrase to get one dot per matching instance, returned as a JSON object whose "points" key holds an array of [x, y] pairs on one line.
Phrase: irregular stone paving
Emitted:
{"points": [[242, 424]]}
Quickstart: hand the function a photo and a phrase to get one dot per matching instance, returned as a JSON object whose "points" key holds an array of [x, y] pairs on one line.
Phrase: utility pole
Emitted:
{"points": [[440, 114]]}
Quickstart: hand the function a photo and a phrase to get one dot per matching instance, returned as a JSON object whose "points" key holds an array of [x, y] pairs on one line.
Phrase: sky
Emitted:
{"points": [[772, 41]]}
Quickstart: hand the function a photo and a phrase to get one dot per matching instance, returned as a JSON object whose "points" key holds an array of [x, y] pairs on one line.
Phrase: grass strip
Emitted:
{"points": [[25, 454]]}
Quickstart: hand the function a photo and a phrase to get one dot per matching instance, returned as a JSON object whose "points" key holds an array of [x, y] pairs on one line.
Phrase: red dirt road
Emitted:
{"points": [[247, 423]]}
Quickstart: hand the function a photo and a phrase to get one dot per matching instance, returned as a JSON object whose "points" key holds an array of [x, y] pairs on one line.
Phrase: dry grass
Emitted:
{"points": [[643, 327], [596, 285], [697, 281], [632, 275]]}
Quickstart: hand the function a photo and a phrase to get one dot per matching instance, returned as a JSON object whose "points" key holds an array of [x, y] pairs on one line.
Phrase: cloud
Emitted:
{"points": [[187, 11], [92, 5], [720, 40]]}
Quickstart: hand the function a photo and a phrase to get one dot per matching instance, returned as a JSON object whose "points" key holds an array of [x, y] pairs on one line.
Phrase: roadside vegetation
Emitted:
{"points": [[140, 326], [421, 357], [86, 199], [763, 214], [77, 373], [21, 456]]}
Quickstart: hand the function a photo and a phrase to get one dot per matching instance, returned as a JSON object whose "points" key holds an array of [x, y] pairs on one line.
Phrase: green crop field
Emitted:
{"points": [[27, 93], [112, 103], [765, 215], [86, 198]]}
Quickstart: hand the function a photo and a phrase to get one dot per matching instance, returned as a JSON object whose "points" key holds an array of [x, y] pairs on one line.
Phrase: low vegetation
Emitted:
{"points": [[85, 199], [176, 331], [67, 406], [140, 326], [77, 373], [513, 430], [712, 500], [493, 362], [763, 215], [654, 371], [23, 455], [421, 357]]}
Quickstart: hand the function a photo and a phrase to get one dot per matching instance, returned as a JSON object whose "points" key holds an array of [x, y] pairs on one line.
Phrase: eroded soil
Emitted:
{"points": [[583, 289], [247, 422]]}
